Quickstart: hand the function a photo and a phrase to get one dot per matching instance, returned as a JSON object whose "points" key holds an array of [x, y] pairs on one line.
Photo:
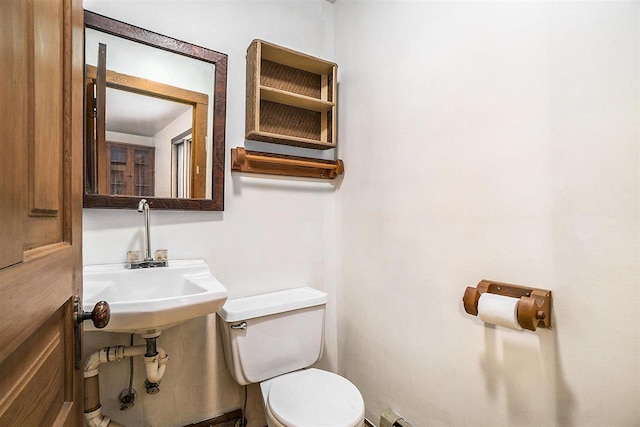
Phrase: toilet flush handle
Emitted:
{"points": [[241, 325]]}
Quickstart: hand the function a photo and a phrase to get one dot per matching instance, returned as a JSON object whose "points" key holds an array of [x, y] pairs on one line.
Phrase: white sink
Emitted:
{"points": [[150, 300]]}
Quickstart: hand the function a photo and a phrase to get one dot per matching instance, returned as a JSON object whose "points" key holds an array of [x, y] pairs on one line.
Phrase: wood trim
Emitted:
{"points": [[20, 378], [295, 100], [199, 152], [63, 418], [150, 38], [74, 148], [24, 320], [334, 110], [219, 132], [324, 116], [228, 419], [14, 127], [279, 164], [167, 203], [256, 82], [33, 376], [147, 87], [41, 251], [295, 59], [251, 111], [299, 142], [101, 117], [90, 146], [74, 188], [47, 89]]}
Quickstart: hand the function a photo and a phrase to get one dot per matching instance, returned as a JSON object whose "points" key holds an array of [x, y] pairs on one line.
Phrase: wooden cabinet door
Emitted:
{"points": [[130, 169], [41, 70], [118, 174], [143, 171]]}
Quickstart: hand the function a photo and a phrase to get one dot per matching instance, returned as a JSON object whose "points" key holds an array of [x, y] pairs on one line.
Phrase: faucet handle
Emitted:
{"points": [[133, 256], [160, 254]]}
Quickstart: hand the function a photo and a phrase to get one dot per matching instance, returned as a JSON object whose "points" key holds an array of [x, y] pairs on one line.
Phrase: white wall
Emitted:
{"points": [[274, 233], [481, 140], [493, 140], [128, 138]]}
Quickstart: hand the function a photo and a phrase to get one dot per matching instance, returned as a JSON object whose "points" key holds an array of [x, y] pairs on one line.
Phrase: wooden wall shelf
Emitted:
{"points": [[279, 164], [291, 97]]}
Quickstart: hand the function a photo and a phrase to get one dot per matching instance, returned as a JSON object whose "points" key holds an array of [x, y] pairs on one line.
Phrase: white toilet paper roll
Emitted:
{"points": [[499, 310]]}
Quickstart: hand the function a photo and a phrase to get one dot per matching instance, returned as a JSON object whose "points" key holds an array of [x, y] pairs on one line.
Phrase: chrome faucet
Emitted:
{"points": [[143, 206], [148, 261]]}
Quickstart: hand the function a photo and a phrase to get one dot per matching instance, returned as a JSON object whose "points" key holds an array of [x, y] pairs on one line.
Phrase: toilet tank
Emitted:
{"points": [[271, 334]]}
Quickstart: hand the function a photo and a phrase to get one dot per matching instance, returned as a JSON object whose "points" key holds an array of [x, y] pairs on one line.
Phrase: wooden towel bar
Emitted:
{"points": [[243, 160]]}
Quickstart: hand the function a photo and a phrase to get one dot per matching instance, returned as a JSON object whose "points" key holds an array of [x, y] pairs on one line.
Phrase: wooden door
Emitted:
{"points": [[41, 68]]}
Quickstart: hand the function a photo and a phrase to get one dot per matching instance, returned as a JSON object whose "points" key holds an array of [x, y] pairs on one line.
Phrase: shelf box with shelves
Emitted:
{"points": [[291, 97]]}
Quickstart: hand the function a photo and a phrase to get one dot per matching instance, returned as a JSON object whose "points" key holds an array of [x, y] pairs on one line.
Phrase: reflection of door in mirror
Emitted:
{"points": [[181, 164], [142, 112], [151, 96]]}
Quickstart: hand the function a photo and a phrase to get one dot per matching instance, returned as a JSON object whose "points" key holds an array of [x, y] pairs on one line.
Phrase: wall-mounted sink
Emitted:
{"points": [[150, 300]]}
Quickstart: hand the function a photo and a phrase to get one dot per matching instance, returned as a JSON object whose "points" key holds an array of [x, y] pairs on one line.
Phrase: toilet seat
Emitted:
{"points": [[313, 397]]}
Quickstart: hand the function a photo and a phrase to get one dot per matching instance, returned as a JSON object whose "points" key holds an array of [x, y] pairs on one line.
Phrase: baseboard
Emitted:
{"points": [[230, 418], [225, 420]]}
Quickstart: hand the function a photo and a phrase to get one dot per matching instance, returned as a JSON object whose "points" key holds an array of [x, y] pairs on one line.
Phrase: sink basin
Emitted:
{"points": [[150, 300]]}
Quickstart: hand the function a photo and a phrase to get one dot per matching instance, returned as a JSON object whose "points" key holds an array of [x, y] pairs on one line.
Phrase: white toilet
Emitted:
{"points": [[270, 339]]}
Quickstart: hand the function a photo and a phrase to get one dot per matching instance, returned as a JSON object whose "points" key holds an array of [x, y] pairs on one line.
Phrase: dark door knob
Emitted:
{"points": [[100, 315]]}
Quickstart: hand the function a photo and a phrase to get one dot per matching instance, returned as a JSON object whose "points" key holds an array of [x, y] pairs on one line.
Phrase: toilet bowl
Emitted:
{"points": [[273, 339], [312, 397]]}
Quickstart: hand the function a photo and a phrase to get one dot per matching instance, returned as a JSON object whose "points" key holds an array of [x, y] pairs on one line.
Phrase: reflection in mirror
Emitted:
{"points": [[148, 113], [142, 131], [161, 133]]}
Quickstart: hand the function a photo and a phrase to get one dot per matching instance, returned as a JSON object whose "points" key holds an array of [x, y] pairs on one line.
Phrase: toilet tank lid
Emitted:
{"points": [[250, 307]]}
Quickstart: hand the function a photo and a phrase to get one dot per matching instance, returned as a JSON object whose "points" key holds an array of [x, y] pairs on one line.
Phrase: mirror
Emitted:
{"points": [[155, 119]]}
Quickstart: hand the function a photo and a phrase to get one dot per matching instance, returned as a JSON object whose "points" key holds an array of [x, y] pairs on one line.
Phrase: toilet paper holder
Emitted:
{"points": [[534, 308]]}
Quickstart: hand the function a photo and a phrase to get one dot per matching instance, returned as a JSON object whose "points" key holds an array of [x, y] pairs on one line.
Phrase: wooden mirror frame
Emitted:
{"points": [[149, 38]]}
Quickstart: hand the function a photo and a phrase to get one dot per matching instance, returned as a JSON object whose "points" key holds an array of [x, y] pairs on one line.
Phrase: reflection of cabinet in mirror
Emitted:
{"points": [[130, 171]]}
